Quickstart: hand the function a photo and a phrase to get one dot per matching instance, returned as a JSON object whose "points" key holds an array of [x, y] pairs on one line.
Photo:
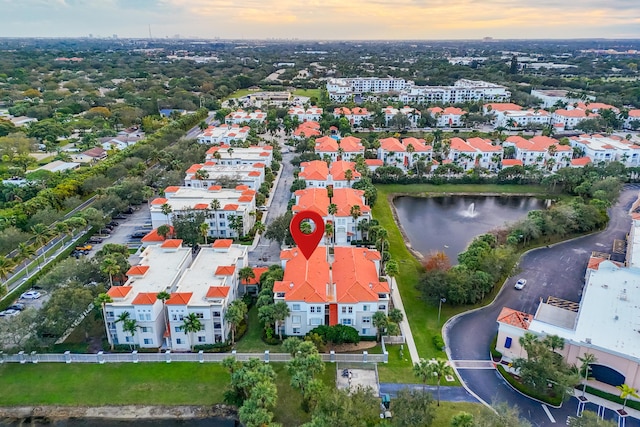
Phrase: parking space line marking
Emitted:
{"points": [[546, 410]]}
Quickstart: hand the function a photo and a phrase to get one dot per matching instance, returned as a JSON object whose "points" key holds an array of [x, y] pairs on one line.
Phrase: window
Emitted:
{"points": [[146, 329], [346, 321], [295, 307], [147, 316], [178, 328], [202, 339], [216, 314], [366, 320], [222, 223], [200, 315], [148, 341], [316, 309], [217, 325], [365, 308], [350, 310], [129, 339], [179, 341], [221, 215], [109, 313], [296, 331], [174, 317], [316, 321], [365, 331], [140, 316], [344, 310], [295, 320], [382, 307]]}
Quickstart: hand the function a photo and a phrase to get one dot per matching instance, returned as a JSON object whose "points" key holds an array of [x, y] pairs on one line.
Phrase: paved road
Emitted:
{"points": [[447, 393], [554, 271], [268, 252]]}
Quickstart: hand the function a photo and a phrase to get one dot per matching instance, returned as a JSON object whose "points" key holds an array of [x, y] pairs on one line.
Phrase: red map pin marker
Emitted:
{"points": [[307, 242]]}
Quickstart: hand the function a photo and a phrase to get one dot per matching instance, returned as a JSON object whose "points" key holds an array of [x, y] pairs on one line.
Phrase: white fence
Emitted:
{"points": [[168, 357]]}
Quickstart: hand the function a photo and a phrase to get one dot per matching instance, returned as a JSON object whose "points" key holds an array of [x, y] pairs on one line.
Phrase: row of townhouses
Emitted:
{"points": [[223, 134]]}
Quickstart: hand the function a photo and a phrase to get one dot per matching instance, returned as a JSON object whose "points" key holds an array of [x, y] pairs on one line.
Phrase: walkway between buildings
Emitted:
{"points": [[404, 325]]}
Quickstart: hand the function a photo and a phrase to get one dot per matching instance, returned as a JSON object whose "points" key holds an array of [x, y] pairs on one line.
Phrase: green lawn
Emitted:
{"points": [[421, 316], [252, 342], [112, 384], [238, 94], [399, 369], [448, 410], [307, 92]]}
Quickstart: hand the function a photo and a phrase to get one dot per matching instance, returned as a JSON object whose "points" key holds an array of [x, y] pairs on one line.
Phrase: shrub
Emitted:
{"points": [[337, 334], [438, 342], [551, 400], [219, 347], [495, 353]]}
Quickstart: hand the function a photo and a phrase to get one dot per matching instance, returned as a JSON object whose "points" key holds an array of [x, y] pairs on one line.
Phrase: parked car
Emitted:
{"points": [[9, 313], [520, 284], [119, 216], [129, 210], [95, 240], [105, 231], [114, 223], [31, 295], [84, 248], [138, 234], [17, 306]]}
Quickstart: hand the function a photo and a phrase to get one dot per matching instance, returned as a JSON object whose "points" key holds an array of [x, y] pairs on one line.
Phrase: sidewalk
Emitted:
{"points": [[599, 401], [404, 325]]}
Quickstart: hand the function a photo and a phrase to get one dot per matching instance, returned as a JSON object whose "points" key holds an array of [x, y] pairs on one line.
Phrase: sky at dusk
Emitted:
{"points": [[322, 19]]}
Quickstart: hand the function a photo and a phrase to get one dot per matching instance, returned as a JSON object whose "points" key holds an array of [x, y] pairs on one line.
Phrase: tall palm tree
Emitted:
{"points": [[381, 235], [422, 370], [245, 274], [280, 313], [234, 315], [164, 296], [102, 300], [191, 324], [380, 322], [215, 205], [7, 265], [204, 230], [111, 267], [259, 227], [627, 391], [348, 175], [130, 326], [166, 210], [25, 252], [42, 235], [440, 369], [355, 213], [333, 210], [392, 270], [587, 359]]}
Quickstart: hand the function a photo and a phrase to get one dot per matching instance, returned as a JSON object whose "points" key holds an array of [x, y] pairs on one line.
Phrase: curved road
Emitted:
{"points": [[552, 271]]}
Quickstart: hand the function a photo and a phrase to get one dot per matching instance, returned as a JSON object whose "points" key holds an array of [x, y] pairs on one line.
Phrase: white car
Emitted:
{"points": [[520, 283], [31, 295], [9, 313]]}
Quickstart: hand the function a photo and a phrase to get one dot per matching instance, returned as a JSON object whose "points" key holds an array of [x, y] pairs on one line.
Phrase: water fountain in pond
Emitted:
{"points": [[470, 212]]}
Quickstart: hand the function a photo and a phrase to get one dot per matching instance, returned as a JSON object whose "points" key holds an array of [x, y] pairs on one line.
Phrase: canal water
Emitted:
{"points": [[450, 223]]}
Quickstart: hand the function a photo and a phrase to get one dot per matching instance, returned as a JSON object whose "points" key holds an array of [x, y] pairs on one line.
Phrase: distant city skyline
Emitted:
{"points": [[322, 19]]}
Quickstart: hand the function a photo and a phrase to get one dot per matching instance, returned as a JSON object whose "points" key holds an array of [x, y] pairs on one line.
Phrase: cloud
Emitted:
{"points": [[322, 19]]}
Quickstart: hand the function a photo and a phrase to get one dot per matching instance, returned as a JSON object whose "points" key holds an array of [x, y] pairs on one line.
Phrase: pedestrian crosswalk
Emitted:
{"points": [[473, 364]]}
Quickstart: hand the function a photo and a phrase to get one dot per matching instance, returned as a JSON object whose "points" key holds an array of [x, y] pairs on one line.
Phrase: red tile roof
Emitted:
{"points": [[218, 292], [374, 162], [171, 189], [225, 270], [119, 291], [257, 272], [201, 206], [172, 243], [316, 170], [503, 106], [179, 298], [515, 318], [223, 243], [581, 161], [137, 270], [159, 201], [317, 199], [511, 162], [153, 235], [215, 188], [230, 207], [144, 298]]}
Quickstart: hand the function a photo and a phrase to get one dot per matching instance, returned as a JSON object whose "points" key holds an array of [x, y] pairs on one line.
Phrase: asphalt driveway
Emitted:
{"points": [[552, 271]]}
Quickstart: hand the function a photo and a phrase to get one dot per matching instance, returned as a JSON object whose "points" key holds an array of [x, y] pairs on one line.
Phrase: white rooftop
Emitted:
{"points": [[164, 268], [188, 197], [599, 142], [202, 273], [608, 316]]}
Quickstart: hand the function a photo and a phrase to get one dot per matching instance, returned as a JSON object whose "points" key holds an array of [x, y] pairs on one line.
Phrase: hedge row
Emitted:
{"points": [[553, 401]]}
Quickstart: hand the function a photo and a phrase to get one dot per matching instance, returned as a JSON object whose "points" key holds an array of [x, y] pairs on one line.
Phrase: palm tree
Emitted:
{"points": [[204, 230], [111, 267], [215, 205], [259, 227], [7, 266], [305, 227], [423, 371], [42, 235], [190, 325], [554, 342], [587, 359], [25, 252], [333, 210], [234, 315], [382, 235], [355, 214], [166, 210], [392, 270], [348, 175], [245, 274], [164, 230], [102, 300], [201, 174], [380, 322], [280, 313], [440, 369], [328, 233], [463, 419], [130, 326], [164, 296], [626, 391]]}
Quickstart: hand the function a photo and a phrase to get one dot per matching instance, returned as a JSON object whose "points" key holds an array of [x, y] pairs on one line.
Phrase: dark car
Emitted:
{"points": [[95, 240], [129, 210], [114, 223], [119, 216], [105, 231], [138, 234], [17, 306]]}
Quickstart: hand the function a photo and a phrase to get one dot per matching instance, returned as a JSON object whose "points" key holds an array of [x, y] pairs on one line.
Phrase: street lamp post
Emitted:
{"points": [[440, 308]]}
